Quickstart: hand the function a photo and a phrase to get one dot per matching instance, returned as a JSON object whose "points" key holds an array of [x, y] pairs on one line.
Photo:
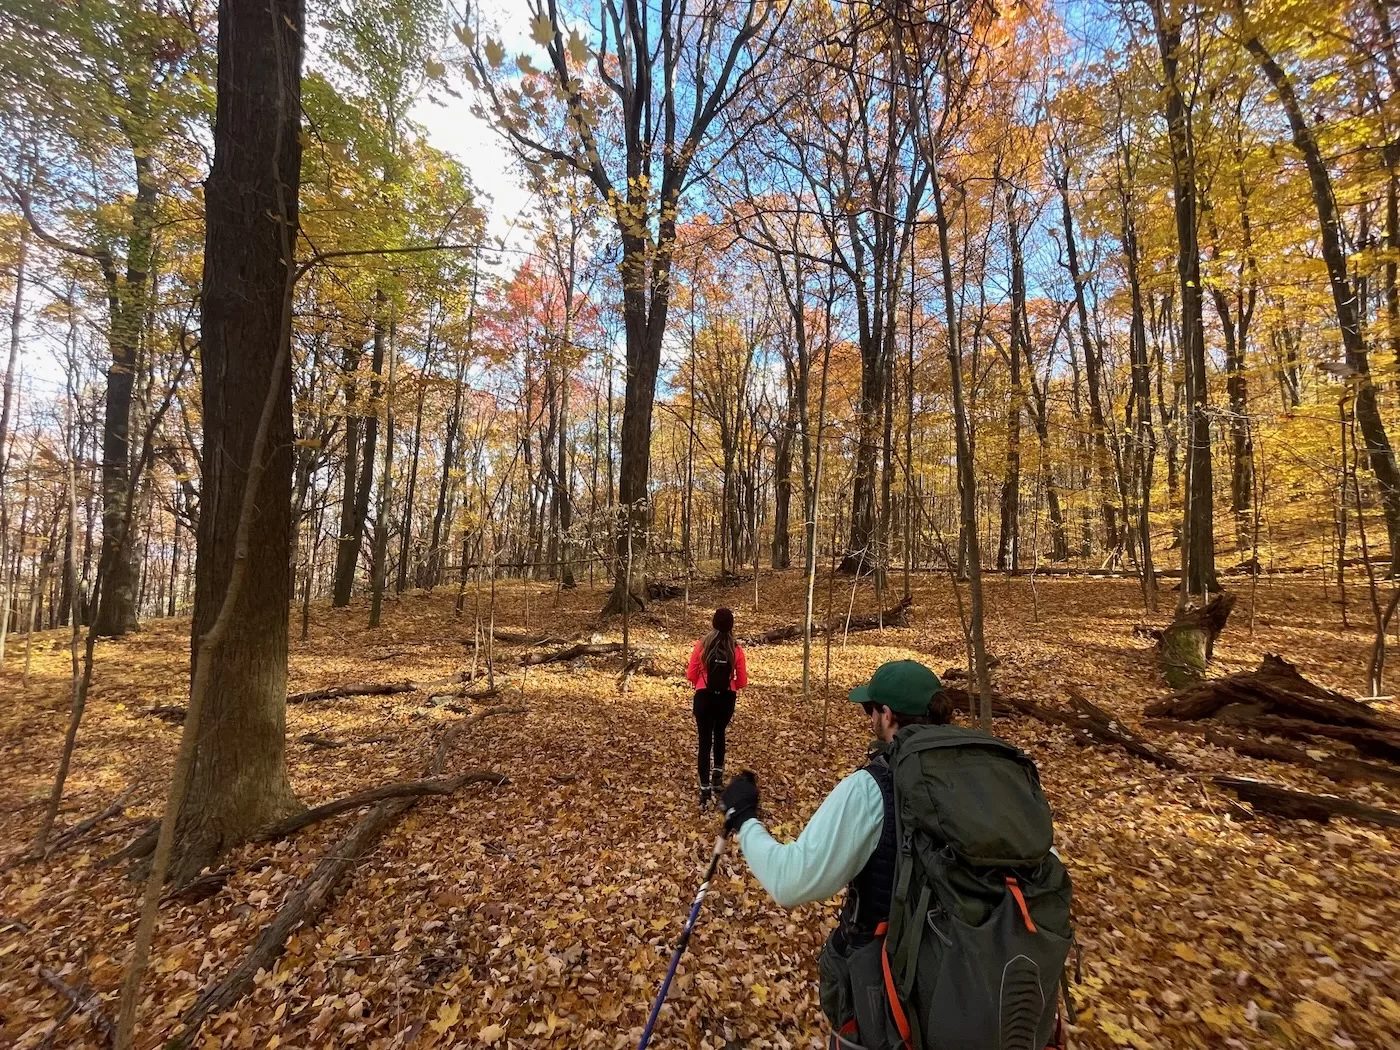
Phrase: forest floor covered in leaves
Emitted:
{"points": [[541, 913]]}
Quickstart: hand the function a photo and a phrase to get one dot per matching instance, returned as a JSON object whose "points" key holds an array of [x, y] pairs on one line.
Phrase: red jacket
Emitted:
{"points": [[695, 673]]}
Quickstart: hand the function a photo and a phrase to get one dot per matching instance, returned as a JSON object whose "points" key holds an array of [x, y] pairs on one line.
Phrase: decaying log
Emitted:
{"points": [[1378, 743], [311, 898], [405, 789], [898, 616], [661, 591], [337, 692], [1276, 699], [1092, 724], [172, 713], [84, 1001], [1331, 766], [1300, 805], [1274, 688], [1188, 643], [1098, 723], [963, 700], [581, 649]]}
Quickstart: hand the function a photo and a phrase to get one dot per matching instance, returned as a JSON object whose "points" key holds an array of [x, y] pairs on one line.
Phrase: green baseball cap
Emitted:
{"points": [[904, 686]]}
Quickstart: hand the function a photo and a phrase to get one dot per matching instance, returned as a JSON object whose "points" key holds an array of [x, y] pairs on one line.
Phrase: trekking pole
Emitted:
{"points": [[685, 938]]}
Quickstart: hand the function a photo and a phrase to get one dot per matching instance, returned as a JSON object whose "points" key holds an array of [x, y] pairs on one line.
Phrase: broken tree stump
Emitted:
{"points": [[898, 616], [1301, 805], [1188, 643]]}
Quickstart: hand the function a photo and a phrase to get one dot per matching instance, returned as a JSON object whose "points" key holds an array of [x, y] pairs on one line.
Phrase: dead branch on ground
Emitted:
{"points": [[315, 892], [898, 616], [581, 649], [84, 1001]]}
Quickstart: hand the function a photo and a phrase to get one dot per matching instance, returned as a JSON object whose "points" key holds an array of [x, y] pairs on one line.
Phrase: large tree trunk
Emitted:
{"points": [[238, 782], [1344, 296], [1198, 537], [645, 328], [116, 613]]}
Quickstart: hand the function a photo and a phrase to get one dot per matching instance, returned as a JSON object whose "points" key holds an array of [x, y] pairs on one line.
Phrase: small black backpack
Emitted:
{"points": [[719, 668]]}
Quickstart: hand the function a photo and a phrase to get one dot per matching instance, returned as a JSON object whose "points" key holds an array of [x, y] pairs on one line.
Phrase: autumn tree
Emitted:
{"points": [[637, 126]]}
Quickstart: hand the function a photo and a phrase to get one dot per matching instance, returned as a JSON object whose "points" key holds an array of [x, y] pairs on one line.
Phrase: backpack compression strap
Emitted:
{"points": [[901, 1021]]}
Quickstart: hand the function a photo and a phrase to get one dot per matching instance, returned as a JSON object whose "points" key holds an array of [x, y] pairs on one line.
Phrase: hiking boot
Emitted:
{"points": [[704, 799], [717, 780]]}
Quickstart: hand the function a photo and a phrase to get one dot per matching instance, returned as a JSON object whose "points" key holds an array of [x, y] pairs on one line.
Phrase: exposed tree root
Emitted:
{"points": [[315, 892]]}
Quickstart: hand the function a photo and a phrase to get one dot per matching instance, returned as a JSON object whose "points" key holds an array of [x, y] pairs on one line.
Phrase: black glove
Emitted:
{"points": [[740, 801]]}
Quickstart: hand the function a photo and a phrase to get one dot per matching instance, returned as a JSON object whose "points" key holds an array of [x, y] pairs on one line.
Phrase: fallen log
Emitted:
{"points": [[1275, 688], [1378, 743], [337, 692], [319, 742], [405, 789], [963, 700], [898, 616], [661, 591], [506, 637], [311, 898], [1188, 643], [1332, 767], [581, 649], [1301, 805], [1098, 723], [84, 1001]]}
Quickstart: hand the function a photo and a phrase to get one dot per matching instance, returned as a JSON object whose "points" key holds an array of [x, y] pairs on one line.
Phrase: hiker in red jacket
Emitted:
{"points": [[717, 670]]}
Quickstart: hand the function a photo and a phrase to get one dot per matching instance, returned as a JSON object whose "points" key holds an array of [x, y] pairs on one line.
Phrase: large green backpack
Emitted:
{"points": [[979, 926]]}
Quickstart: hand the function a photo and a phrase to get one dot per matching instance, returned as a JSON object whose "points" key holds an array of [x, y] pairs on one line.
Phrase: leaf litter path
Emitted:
{"points": [[541, 913]]}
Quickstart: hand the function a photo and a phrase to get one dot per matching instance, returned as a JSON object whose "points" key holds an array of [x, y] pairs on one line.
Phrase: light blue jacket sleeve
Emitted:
{"points": [[831, 850]]}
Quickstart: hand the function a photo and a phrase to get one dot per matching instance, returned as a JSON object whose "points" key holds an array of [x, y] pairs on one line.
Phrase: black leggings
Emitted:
{"points": [[712, 714]]}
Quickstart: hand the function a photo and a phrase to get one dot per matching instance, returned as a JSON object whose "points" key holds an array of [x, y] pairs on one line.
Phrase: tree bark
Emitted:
{"points": [[238, 780], [346, 554], [1198, 537]]}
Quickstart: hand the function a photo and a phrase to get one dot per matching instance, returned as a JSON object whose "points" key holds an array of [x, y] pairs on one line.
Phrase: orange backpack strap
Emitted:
{"points": [[1015, 888], [901, 1021]]}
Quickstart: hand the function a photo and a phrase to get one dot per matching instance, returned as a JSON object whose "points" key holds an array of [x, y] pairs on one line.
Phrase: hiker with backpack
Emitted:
{"points": [[717, 670], [955, 927]]}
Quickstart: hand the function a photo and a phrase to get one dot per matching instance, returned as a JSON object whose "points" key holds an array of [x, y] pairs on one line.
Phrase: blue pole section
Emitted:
{"points": [[685, 939]]}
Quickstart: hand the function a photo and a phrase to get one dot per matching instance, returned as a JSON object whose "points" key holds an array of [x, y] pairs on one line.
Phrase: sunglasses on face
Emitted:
{"points": [[870, 707]]}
